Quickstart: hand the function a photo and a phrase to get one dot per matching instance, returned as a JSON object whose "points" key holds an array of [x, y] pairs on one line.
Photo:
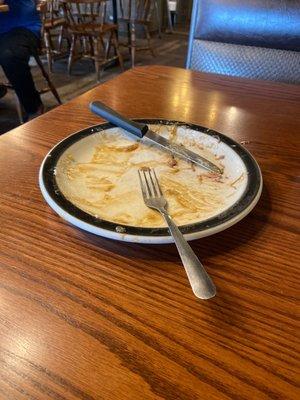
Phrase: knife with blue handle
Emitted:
{"points": [[142, 131]]}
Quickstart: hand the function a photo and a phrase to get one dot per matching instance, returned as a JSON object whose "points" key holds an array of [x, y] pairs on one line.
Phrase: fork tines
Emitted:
{"points": [[149, 183]]}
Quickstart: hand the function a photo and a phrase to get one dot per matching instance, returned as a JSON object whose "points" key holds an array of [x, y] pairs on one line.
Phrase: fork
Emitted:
{"points": [[201, 283]]}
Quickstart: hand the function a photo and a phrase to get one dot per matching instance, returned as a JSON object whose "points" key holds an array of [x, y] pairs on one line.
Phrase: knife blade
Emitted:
{"points": [[142, 131]]}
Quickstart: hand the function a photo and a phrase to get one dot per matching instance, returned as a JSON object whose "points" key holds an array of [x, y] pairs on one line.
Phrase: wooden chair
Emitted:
{"points": [[137, 13], [53, 24], [90, 29], [49, 88]]}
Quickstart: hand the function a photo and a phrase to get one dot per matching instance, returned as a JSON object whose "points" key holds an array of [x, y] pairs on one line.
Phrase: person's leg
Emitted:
{"points": [[16, 47]]}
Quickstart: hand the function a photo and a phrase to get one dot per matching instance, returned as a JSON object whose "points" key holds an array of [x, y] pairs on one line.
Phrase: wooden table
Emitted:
{"points": [[83, 317]]}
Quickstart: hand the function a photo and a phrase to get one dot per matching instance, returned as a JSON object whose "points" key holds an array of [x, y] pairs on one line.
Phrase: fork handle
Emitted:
{"points": [[201, 283]]}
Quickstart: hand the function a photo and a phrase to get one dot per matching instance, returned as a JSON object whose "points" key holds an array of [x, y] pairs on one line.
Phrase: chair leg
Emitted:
{"points": [[104, 46], [17, 103], [115, 42], [149, 40], [107, 45], [60, 38], [91, 46], [169, 18], [129, 38], [133, 43], [84, 45], [48, 50], [72, 53], [97, 58], [47, 78], [158, 18], [19, 109], [67, 36]]}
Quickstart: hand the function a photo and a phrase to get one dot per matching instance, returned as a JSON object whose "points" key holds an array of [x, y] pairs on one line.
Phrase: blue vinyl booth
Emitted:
{"points": [[257, 39]]}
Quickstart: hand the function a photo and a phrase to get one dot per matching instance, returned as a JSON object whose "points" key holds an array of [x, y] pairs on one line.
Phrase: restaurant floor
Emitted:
{"points": [[170, 50]]}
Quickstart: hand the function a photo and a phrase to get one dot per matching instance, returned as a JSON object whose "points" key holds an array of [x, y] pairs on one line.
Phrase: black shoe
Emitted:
{"points": [[3, 91]]}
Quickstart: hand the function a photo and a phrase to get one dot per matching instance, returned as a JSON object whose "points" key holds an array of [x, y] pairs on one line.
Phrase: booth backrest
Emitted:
{"points": [[250, 38]]}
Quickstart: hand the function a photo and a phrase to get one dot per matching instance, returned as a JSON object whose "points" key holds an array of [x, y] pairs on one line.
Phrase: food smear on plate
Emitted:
{"points": [[100, 176]]}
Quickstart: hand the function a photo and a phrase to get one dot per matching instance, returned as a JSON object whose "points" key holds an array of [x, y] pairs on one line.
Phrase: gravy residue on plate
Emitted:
{"points": [[101, 178]]}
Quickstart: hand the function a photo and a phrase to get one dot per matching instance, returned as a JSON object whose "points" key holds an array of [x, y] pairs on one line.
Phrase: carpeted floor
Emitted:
{"points": [[170, 50]]}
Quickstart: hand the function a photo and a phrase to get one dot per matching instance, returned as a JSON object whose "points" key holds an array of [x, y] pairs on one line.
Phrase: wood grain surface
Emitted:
{"points": [[83, 317]]}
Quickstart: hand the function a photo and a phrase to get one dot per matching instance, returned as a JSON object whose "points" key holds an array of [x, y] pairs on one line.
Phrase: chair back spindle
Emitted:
{"points": [[138, 10], [92, 34], [81, 12]]}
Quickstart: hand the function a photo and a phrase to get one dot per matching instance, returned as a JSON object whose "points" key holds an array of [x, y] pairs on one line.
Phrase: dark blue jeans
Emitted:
{"points": [[16, 47]]}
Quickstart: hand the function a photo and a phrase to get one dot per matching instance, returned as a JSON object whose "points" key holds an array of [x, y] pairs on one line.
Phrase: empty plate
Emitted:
{"points": [[90, 179]]}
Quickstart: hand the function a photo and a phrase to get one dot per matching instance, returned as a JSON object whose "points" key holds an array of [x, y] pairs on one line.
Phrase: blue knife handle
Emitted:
{"points": [[117, 119]]}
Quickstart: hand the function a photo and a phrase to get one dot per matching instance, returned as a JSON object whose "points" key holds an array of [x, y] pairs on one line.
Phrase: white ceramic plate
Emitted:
{"points": [[90, 179]]}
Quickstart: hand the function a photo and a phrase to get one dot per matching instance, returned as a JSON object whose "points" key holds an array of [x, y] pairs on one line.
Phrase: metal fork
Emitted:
{"points": [[202, 285]]}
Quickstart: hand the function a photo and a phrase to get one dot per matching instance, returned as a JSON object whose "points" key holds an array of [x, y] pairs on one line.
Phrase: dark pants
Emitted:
{"points": [[16, 47]]}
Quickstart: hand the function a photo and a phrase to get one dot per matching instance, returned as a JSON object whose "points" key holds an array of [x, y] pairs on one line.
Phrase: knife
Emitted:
{"points": [[142, 131]]}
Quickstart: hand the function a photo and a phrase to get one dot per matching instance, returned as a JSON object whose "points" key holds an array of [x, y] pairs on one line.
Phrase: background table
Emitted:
{"points": [[82, 317], [3, 8]]}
